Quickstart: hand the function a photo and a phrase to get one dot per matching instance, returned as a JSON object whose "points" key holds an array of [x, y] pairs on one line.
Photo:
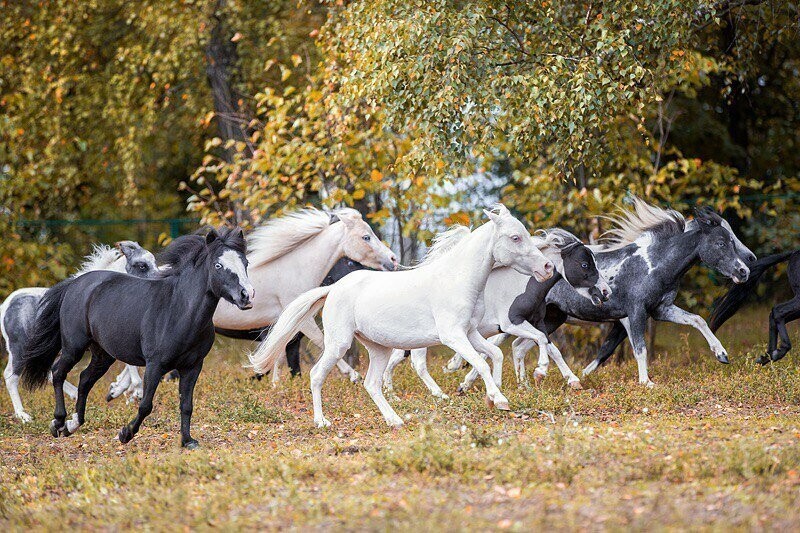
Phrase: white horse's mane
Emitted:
{"points": [[643, 218], [444, 242], [279, 236], [554, 238], [101, 258]]}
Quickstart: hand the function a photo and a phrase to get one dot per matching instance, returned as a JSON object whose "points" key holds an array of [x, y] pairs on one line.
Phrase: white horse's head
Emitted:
{"points": [[514, 247], [362, 245]]}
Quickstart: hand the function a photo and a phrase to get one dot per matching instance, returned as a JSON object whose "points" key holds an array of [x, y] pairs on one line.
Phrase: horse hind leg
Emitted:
{"points": [[98, 366], [12, 384], [70, 355], [788, 312]]}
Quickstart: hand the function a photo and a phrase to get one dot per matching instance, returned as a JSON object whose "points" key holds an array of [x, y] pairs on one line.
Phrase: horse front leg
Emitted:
{"points": [[462, 343], [12, 384], [188, 378], [152, 376], [675, 314]]}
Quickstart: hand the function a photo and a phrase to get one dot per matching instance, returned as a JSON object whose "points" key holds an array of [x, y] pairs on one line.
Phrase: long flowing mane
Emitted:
{"points": [[643, 218], [443, 243], [279, 236], [101, 258]]}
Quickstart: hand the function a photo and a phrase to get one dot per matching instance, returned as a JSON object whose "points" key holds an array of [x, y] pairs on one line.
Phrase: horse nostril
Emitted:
{"points": [[548, 267], [752, 258], [245, 296]]}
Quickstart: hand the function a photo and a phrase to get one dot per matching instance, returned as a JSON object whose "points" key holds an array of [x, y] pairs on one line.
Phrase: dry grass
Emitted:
{"points": [[711, 447]]}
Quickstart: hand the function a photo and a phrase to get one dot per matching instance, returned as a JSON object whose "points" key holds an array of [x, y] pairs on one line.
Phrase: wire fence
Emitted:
{"points": [[146, 231]]}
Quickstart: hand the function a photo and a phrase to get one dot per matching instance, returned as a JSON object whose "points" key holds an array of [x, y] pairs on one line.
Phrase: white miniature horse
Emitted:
{"points": [[510, 301], [18, 311], [438, 302]]}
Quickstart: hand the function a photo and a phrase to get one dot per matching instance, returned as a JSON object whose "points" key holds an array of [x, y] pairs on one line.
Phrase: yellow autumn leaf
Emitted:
{"points": [[359, 194], [376, 175]]}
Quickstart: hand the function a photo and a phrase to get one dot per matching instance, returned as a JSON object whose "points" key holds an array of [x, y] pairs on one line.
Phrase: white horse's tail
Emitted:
{"points": [[288, 325]]}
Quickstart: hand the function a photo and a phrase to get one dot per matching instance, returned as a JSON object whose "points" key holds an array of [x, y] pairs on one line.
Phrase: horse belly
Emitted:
{"points": [[396, 324]]}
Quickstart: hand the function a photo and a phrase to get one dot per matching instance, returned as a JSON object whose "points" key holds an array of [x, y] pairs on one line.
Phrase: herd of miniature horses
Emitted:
{"points": [[474, 289]]}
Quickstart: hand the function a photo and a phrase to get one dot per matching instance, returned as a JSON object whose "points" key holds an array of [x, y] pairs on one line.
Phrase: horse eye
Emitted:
{"points": [[142, 267], [720, 244], [217, 265], [584, 265], [349, 263], [515, 238], [366, 238]]}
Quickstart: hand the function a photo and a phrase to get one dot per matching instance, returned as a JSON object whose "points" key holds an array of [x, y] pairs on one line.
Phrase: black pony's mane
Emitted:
{"points": [[192, 251]]}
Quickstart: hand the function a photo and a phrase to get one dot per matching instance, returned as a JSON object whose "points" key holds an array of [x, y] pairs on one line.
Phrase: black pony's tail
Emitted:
{"points": [[44, 342], [729, 304]]}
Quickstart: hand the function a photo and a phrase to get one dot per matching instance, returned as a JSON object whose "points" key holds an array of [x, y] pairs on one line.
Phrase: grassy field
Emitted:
{"points": [[711, 447]]}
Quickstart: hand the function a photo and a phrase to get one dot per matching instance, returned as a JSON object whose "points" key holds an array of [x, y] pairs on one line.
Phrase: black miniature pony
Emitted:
{"points": [[162, 324], [779, 343]]}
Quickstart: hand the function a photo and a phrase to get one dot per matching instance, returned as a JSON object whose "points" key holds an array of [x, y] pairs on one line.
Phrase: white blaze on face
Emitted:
{"points": [[231, 261]]}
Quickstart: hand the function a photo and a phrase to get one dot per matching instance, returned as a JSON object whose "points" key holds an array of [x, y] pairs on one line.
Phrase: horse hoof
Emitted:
{"points": [[191, 444], [502, 406], [109, 397], [777, 356], [538, 378], [55, 430], [575, 385], [125, 435], [764, 359], [24, 417], [355, 377], [460, 390], [723, 358], [489, 402], [324, 423]]}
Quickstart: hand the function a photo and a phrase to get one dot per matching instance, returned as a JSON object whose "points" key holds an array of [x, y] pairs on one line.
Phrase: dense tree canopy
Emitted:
{"points": [[559, 108]]}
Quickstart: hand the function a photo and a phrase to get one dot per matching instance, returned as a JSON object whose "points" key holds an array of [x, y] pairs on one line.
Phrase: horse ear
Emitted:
{"points": [[239, 233], [128, 248], [494, 217], [212, 236], [706, 216], [349, 220]]}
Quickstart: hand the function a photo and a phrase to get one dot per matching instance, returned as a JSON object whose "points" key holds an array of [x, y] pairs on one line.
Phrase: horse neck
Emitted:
{"points": [[314, 258], [678, 253], [474, 254], [192, 291]]}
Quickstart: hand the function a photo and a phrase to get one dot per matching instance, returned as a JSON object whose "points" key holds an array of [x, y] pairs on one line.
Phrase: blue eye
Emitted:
{"points": [[366, 238]]}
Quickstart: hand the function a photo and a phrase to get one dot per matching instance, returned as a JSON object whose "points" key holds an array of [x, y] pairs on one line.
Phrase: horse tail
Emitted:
{"points": [[303, 307], [44, 342], [729, 304]]}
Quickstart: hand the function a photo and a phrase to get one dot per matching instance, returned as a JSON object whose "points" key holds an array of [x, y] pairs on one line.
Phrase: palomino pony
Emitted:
{"points": [[165, 324], [18, 311], [779, 342], [649, 253], [440, 301], [515, 304], [291, 255]]}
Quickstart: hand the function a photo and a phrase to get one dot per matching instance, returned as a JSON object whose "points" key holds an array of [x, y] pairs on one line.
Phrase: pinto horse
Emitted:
{"points": [[651, 251], [166, 324]]}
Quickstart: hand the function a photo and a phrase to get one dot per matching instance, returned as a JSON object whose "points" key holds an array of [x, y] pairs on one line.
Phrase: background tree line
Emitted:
{"points": [[404, 109]]}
